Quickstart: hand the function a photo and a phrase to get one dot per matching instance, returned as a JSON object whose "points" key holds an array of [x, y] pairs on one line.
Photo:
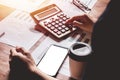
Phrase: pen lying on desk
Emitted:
{"points": [[2, 34]]}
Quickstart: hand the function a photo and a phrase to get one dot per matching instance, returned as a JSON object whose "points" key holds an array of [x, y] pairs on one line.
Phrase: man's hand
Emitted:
{"points": [[24, 56], [23, 67], [83, 22]]}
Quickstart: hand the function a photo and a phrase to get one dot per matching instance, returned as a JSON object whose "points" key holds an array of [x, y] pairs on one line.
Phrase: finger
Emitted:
{"points": [[22, 50], [10, 56], [75, 18], [70, 21], [18, 49], [77, 24], [16, 54], [25, 54], [82, 26], [12, 53], [83, 19]]}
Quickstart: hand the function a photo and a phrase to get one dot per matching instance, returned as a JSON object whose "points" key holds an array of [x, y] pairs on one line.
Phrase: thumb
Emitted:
{"points": [[82, 26], [78, 24], [14, 53]]}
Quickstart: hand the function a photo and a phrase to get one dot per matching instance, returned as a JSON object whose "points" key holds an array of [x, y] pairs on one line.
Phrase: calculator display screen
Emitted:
{"points": [[47, 12]]}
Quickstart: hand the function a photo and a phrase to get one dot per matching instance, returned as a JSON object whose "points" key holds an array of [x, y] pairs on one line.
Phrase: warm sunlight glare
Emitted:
{"points": [[22, 4]]}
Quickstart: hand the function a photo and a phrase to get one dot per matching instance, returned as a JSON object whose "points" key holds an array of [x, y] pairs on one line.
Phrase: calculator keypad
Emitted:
{"points": [[56, 25]]}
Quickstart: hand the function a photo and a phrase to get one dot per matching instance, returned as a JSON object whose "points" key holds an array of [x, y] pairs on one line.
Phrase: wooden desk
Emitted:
{"points": [[4, 11], [4, 49], [4, 61]]}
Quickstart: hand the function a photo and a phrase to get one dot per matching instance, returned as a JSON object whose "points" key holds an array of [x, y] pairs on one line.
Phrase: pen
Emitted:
{"points": [[81, 6], [2, 34]]}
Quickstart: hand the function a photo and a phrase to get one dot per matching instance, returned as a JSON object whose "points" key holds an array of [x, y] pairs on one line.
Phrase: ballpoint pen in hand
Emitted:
{"points": [[2, 34], [81, 5]]}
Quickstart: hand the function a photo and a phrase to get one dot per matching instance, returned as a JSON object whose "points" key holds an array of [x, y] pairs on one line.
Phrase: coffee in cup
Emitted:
{"points": [[79, 54]]}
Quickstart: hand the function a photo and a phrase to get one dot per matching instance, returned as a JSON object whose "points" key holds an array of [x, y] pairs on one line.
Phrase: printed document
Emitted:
{"points": [[19, 30]]}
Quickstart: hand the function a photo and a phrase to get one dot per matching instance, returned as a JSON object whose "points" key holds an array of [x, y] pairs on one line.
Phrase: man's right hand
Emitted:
{"points": [[83, 22]]}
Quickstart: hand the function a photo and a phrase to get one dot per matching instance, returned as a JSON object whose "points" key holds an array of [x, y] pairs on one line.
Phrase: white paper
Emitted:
{"points": [[65, 70], [19, 30], [67, 7], [70, 9]]}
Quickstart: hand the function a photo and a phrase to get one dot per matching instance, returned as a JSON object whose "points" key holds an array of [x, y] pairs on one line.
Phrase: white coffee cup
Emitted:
{"points": [[79, 54]]}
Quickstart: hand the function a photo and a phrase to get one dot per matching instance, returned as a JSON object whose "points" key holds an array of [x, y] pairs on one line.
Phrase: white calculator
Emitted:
{"points": [[53, 20]]}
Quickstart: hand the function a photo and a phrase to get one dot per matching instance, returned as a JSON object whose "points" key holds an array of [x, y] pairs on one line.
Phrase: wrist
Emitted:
{"points": [[38, 74], [33, 69]]}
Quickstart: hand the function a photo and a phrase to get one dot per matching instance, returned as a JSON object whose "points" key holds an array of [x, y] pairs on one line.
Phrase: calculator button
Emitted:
{"points": [[64, 18], [60, 20], [59, 28], [63, 30], [60, 24], [56, 25], [63, 26], [55, 30], [62, 14], [52, 28], [53, 23], [49, 25], [66, 28], [57, 22], [63, 22], [67, 17], [59, 33], [58, 15]]}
